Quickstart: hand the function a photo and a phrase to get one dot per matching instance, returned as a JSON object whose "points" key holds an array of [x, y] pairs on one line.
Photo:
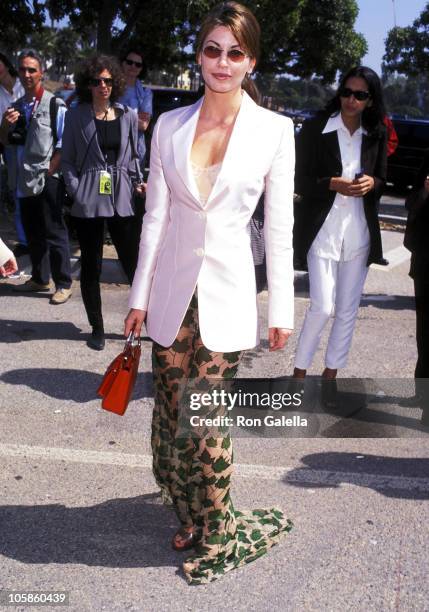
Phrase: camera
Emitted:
{"points": [[19, 133]]}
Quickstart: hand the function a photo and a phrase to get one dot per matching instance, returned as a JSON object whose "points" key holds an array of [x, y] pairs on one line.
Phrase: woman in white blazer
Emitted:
{"points": [[195, 280]]}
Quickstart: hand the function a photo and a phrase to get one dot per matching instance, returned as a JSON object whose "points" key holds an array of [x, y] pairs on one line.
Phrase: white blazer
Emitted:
{"points": [[5, 253], [185, 246]]}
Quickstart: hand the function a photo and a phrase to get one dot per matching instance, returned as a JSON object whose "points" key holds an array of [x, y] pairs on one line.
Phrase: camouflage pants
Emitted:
{"points": [[195, 472]]}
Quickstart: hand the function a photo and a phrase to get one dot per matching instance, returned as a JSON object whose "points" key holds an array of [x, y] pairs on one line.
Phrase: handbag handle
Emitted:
{"points": [[131, 338]]}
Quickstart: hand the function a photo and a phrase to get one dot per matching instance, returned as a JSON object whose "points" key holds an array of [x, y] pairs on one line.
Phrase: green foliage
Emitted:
{"points": [[18, 19], [407, 96], [166, 31], [294, 94], [406, 48]]}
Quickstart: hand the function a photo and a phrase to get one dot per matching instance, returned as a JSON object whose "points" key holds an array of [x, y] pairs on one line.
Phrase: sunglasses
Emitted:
{"points": [[133, 63], [24, 69], [96, 82], [235, 55], [346, 92]]}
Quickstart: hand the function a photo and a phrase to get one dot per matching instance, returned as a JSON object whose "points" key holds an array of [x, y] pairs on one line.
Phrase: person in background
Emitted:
{"points": [[195, 280], [36, 154], [98, 166], [10, 91], [136, 96], [416, 241], [340, 173], [8, 263]]}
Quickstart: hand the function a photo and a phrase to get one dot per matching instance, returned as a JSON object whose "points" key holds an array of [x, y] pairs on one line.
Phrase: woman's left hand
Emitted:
{"points": [[277, 337], [140, 189], [361, 186]]}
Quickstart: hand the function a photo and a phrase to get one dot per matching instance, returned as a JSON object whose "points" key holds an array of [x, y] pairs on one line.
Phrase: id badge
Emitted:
{"points": [[105, 183]]}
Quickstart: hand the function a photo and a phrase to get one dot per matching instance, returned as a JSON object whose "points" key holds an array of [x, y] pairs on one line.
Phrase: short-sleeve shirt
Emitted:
{"points": [[7, 98], [139, 99]]}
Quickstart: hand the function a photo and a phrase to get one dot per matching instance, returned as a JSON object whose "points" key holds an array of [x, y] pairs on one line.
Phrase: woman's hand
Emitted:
{"points": [[277, 337], [362, 186], [134, 321], [9, 267], [340, 185], [140, 189], [357, 188]]}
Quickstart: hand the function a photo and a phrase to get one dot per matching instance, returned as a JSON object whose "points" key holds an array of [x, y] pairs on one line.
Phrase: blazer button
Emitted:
{"points": [[199, 252]]}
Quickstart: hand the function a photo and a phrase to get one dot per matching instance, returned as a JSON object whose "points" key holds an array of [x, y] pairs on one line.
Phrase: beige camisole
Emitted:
{"points": [[205, 178]]}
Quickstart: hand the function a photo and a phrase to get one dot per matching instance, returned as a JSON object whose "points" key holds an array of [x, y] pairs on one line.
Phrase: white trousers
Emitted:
{"points": [[336, 284]]}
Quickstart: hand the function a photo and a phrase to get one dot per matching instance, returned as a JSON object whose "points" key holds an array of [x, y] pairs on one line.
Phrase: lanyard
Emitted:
{"points": [[36, 101]]}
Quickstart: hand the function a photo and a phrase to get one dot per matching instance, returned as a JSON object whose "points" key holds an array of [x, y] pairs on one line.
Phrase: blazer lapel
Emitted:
{"points": [[89, 130], [182, 140], [332, 145], [244, 129], [365, 150]]}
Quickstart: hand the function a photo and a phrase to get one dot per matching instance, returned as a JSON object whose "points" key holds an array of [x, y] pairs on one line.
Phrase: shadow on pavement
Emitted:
{"points": [[129, 532], [18, 331], [375, 472], [388, 302], [67, 384]]}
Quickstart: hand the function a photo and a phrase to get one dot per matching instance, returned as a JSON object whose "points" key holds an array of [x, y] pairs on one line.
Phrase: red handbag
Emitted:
{"points": [[118, 382]]}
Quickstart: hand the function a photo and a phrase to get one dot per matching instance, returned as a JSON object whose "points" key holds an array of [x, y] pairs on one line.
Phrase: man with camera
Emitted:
{"points": [[33, 125]]}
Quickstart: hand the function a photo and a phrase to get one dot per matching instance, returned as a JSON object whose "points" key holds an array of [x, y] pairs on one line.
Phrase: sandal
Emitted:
{"points": [[187, 539]]}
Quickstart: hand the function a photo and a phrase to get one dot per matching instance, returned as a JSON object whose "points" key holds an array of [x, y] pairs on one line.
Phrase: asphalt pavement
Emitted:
{"points": [[79, 508]]}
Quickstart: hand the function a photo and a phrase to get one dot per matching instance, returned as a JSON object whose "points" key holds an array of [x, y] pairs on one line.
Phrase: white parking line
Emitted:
{"points": [[293, 475]]}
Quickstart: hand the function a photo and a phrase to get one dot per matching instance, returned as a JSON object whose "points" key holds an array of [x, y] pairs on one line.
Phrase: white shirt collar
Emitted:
{"points": [[335, 123]]}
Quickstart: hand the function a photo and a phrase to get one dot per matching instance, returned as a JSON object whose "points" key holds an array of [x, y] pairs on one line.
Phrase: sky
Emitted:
{"points": [[376, 19]]}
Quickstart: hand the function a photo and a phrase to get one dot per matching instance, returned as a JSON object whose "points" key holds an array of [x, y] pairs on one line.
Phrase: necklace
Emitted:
{"points": [[105, 113]]}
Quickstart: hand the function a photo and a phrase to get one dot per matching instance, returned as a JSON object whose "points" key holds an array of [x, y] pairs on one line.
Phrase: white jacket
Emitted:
{"points": [[5, 253], [184, 246]]}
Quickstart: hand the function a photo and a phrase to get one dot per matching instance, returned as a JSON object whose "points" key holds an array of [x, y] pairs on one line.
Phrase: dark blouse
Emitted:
{"points": [[109, 139]]}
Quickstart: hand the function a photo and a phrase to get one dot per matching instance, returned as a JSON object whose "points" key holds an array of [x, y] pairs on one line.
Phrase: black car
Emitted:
{"points": [[403, 165]]}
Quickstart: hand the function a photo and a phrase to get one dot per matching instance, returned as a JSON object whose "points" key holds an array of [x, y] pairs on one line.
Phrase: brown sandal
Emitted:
{"points": [[187, 538]]}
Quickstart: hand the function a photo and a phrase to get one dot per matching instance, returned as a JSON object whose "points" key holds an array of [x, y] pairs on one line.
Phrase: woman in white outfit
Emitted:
{"points": [[340, 174]]}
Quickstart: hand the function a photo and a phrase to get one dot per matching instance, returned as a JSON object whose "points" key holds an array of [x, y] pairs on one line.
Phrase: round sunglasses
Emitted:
{"points": [[359, 94], [133, 63], [235, 55], [96, 82]]}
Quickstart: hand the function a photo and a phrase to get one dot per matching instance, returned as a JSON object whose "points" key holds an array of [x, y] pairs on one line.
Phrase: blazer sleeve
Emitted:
{"points": [[132, 167], [418, 196], [155, 223], [279, 188], [69, 154], [307, 181], [5, 253]]}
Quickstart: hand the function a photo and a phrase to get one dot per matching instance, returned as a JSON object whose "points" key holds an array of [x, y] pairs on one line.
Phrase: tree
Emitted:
{"points": [[19, 18], [300, 37], [406, 48]]}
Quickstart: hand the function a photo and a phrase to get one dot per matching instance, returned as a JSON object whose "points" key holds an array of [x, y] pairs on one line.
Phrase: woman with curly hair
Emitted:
{"points": [[98, 164]]}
